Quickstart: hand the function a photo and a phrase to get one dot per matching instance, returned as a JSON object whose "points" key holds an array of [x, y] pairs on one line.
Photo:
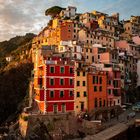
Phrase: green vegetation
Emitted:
{"points": [[7, 47], [15, 47], [53, 11], [14, 76]]}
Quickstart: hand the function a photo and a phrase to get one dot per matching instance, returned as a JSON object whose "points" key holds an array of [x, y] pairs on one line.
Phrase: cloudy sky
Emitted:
{"points": [[18, 17]]}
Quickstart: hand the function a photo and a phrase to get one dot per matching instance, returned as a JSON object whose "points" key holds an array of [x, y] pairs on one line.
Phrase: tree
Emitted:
{"points": [[53, 11]]}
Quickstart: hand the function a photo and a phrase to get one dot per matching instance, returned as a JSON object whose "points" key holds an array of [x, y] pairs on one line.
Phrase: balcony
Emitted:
{"points": [[51, 62], [116, 69]]}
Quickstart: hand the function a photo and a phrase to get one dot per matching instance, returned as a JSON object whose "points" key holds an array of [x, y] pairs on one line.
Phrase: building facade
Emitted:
{"points": [[54, 90]]}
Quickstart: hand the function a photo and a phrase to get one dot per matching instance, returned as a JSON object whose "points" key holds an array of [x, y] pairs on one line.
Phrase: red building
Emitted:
{"points": [[97, 94], [114, 87], [92, 25], [55, 82]]}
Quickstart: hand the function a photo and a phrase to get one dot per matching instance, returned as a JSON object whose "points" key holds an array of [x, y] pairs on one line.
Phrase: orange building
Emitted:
{"points": [[66, 31], [97, 93]]}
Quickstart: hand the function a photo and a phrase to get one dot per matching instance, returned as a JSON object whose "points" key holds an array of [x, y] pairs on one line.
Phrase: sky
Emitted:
{"points": [[18, 17]]}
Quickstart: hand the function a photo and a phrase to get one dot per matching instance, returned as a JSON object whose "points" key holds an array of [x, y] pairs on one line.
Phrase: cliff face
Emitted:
{"points": [[13, 89]]}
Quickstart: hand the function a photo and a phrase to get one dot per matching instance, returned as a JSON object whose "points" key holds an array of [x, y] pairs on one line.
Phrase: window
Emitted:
{"points": [[115, 83], [96, 102], [92, 58], [62, 69], [115, 74], [78, 73], [104, 103], [71, 93], [118, 101], [93, 81], [85, 94], [40, 82], [84, 83], [110, 103], [71, 70], [51, 69], [114, 103], [95, 88], [115, 92], [84, 73], [96, 79], [51, 82], [78, 94], [100, 102], [61, 94], [100, 80], [71, 81], [109, 82], [51, 94], [100, 88], [78, 83], [61, 81], [80, 65], [109, 91]]}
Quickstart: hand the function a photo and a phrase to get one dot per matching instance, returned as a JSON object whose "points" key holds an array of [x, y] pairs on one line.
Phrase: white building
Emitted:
{"points": [[9, 58], [70, 12]]}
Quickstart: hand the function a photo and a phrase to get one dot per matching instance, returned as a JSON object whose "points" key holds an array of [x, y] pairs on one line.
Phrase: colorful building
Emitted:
{"points": [[85, 61], [54, 85], [97, 93], [80, 88]]}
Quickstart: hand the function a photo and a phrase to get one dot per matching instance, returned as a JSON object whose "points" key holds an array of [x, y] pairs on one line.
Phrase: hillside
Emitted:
{"points": [[6, 47], [14, 75], [13, 88], [14, 47]]}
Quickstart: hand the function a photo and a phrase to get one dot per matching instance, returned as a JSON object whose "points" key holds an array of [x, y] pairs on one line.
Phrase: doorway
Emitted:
{"points": [[55, 110], [82, 106]]}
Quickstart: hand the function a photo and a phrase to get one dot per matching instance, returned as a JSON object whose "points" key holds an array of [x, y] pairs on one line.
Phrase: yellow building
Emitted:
{"points": [[101, 21], [55, 23], [80, 89]]}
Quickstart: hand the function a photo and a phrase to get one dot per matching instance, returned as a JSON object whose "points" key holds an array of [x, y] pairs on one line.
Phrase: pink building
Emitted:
{"points": [[136, 40], [114, 87]]}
